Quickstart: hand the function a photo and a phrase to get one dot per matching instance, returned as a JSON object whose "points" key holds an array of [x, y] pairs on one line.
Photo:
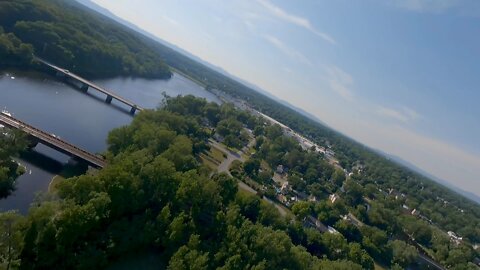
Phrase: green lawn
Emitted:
{"points": [[210, 162], [216, 154]]}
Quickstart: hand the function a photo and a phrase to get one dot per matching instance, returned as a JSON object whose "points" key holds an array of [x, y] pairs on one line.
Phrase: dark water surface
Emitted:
{"points": [[81, 119]]}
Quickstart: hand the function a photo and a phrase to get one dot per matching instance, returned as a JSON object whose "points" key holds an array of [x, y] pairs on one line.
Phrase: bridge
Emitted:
{"points": [[52, 141], [85, 85]]}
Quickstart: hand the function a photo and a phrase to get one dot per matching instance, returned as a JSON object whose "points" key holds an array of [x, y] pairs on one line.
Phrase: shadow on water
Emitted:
{"points": [[42, 161], [53, 166]]}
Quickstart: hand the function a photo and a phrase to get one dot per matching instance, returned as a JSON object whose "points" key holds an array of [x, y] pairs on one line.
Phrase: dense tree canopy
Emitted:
{"points": [[12, 142], [71, 36], [154, 198], [156, 185]]}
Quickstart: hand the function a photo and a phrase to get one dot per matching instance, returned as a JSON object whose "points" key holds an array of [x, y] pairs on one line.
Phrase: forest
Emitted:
{"points": [[12, 143], [71, 36], [156, 199]]}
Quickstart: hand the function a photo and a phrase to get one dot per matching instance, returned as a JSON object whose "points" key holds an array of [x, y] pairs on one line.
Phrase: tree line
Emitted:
{"points": [[12, 143], [71, 36]]}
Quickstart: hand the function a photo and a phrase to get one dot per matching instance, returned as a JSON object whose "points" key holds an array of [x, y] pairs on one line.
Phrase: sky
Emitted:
{"points": [[401, 76]]}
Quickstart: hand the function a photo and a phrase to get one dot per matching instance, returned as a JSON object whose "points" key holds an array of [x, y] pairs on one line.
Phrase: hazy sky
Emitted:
{"points": [[402, 76]]}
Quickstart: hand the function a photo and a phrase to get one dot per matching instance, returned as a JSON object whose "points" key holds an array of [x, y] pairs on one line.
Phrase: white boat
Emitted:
{"points": [[13, 78], [6, 113]]}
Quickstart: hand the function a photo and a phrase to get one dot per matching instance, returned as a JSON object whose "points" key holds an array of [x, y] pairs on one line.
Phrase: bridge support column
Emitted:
{"points": [[60, 74], [109, 99], [84, 87], [32, 144], [133, 110]]}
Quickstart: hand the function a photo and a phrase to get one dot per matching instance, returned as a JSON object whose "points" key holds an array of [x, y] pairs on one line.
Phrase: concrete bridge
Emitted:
{"points": [[85, 85], [50, 140]]}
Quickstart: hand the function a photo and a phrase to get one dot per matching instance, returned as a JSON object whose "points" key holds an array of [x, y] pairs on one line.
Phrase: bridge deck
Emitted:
{"points": [[90, 84], [53, 141]]}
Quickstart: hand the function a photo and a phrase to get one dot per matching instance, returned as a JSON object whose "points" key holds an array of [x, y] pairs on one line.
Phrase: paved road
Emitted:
{"points": [[430, 262], [232, 156]]}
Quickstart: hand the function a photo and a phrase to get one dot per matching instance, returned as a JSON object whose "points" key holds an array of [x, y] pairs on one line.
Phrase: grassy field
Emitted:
{"points": [[379, 267], [212, 158], [216, 154], [207, 160]]}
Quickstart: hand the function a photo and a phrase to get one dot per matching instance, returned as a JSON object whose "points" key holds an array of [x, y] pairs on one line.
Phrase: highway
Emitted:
{"points": [[53, 141]]}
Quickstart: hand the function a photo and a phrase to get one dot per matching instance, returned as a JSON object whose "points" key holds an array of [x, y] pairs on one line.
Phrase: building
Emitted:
{"points": [[332, 230], [285, 187], [280, 169], [454, 237], [333, 198]]}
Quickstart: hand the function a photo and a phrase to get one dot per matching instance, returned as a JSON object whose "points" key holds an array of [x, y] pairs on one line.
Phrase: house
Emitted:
{"points": [[332, 230], [281, 198], [454, 237], [285, 187], [333, 197], [312, 198], [280, 169]]}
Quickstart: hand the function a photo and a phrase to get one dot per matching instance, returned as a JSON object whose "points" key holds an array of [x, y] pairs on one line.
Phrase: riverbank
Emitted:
{"points": [[52, 187], [82, 119]]}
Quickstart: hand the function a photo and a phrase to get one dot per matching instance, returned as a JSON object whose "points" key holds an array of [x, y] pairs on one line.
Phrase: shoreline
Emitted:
{"points": [[56, 179]]}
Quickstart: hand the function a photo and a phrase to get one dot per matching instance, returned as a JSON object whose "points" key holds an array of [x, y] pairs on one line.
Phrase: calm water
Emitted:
{"points": [[82, 119]]}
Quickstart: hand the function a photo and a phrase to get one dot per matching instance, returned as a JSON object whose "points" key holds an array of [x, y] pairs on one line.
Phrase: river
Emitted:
{"points": [[82, 119]]}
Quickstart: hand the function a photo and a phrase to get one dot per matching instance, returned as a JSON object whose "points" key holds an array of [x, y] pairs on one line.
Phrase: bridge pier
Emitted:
{"points": [[60, 74], [84, 87], [133, 110], [109, 99], [32, 144]]}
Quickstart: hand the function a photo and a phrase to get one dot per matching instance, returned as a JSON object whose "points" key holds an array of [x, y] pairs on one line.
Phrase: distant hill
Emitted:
{"points": [[134, 27], [68, 34], [445, 183]]}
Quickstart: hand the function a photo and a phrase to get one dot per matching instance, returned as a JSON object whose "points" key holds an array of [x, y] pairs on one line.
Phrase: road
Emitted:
{"points": [[232, 156], [430, 262]]}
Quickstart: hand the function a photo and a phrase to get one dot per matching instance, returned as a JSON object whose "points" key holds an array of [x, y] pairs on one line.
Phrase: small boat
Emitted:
{"points": [[6, 113], [13, 78]]}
